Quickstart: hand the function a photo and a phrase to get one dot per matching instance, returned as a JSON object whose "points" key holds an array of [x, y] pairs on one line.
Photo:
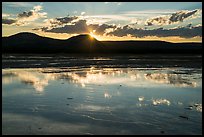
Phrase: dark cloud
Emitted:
{"points": [[181, 15], [158, 21], [149, 23], [81, 26], [66, 19], [189, 25], [184, 32], [53, 23], [8, 21], [25, 14], [77, 27], [173, 18], [100, 29]]}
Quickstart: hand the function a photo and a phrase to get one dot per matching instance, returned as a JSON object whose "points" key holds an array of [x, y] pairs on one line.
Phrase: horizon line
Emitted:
{"points": [[94, 38]]}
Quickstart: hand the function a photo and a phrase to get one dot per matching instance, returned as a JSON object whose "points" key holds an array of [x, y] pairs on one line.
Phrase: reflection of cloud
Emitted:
{"points": [[7, 77], [91, 108], [111, 76], [154, 101], [39, 78], [99, 78], [30, 78], [107, 95], [198, 107], [179, 103], [141, 98], [169, 79], [161, 101], [7, 80]]}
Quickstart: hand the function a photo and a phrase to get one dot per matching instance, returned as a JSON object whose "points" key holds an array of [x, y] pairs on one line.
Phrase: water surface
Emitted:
{"points": [[109, 98]]}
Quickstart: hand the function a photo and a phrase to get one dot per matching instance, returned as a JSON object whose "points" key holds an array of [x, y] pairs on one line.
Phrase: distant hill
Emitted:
{"points": [[31, 43]]}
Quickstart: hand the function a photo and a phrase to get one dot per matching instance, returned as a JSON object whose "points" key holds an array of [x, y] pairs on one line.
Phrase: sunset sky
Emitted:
{"points": [[168, 21]]}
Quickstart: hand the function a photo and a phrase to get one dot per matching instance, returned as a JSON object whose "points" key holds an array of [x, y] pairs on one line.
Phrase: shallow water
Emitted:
{"points": [[102, 100]]}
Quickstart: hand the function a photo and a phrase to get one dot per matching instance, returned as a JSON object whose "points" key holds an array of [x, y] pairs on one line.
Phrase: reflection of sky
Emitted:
{"points": [[39, 78], [135, 78], [34, 78], [91, 100]]}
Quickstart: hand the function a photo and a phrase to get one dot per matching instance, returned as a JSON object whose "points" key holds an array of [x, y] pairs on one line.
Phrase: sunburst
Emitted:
{"points": [[92, 35]]}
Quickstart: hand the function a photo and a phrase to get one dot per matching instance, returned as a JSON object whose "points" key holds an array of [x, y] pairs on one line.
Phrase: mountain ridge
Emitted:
{"points": [[27, 42]]}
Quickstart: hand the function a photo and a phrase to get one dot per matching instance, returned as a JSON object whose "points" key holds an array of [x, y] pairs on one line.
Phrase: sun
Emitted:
{"points": [[92, 35]]}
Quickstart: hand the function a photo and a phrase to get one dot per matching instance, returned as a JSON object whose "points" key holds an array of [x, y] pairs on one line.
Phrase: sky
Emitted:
{"points": [[166, 21]]}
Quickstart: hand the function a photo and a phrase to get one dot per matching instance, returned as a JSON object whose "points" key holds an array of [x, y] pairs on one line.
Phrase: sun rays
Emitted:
{"points": [[92, 35]]}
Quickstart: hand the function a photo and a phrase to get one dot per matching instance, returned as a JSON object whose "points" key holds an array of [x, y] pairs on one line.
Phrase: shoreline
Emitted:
{"points": [[109, 61]]}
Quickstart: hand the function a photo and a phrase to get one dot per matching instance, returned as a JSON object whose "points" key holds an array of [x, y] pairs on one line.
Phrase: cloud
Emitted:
{"points": [[83, 13], [99, 25], [109, 18], [56, 22], [5, 15], [8, 21], [184, 32], [77, 28], [101, 29], [25, 14], [158, 21], [37, 8], [179, 16], [148, 12], [32, 14], [66, 19], [73, 25], [117, 3], [26, 17]]}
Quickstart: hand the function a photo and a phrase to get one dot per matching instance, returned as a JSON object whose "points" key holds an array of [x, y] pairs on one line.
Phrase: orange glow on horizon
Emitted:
{"points": [[111, 38]]}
